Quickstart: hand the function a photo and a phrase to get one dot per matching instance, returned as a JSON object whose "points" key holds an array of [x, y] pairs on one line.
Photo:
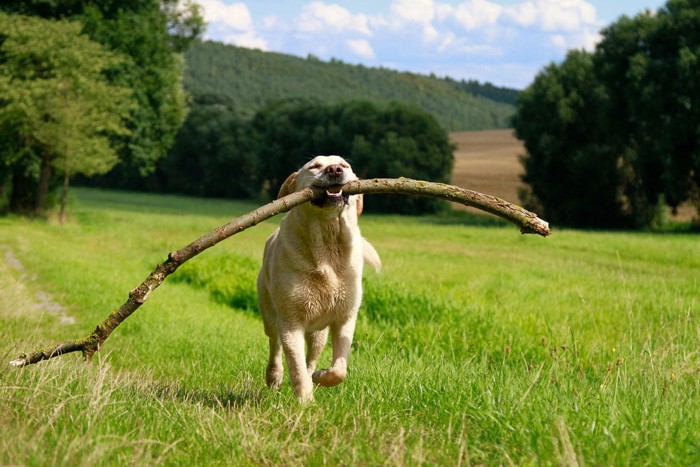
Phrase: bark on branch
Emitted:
{"points": [[527, 221]]}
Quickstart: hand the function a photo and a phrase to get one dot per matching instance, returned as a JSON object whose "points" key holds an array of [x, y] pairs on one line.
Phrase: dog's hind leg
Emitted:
{"points": [[315, 342], [275, 369]]}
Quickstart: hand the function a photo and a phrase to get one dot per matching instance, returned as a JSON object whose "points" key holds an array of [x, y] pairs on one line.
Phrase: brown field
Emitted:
{"points": [[487, 161]]}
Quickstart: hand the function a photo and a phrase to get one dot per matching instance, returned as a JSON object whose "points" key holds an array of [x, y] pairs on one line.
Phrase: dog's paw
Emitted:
{"points": [[328, 378], [273, 378], [307, 399]]}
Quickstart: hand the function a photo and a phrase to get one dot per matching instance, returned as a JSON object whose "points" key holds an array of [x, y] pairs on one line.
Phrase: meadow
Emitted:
{"points": [[475, 345]]}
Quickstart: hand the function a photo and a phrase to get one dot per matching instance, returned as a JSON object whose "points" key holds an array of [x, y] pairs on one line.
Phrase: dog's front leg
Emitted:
{"points": [[315, 342], [341, 338], [293, 344]]}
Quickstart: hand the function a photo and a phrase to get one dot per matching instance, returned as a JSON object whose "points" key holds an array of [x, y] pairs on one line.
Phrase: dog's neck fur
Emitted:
{"points": [[327, 236]]}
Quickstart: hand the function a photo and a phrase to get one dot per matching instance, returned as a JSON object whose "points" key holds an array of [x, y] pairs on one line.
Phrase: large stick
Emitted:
{"points": [[528, 222]]}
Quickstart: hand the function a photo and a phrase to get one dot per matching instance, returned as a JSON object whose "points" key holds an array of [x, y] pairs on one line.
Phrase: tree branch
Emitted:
{"points": [[528, 222]]}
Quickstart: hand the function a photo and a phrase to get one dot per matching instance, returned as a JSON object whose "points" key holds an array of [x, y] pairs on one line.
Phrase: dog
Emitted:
{"points": [[311, 278]]}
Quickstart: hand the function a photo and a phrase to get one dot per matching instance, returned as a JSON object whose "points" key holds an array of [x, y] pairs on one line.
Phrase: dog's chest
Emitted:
{"points": [[326, 290]]}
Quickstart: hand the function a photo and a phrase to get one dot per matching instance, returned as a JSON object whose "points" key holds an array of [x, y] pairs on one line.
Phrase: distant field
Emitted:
{"points": [[476, 345], [488, 161]]}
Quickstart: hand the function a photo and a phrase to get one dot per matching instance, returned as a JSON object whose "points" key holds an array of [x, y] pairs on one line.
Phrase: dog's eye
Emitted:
{"points": [[316, 166]]}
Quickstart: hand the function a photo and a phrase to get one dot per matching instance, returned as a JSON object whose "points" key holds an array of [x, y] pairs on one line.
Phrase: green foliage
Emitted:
{"points": [[153, 71], [572, 177], [251, 79], [58, 109], [475, 345], [215, 155], [612, 134], [650, 66], [150, 36], [220, 155]]}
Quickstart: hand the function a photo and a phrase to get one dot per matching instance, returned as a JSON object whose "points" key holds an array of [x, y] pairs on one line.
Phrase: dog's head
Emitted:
{"points": [[330, 173]]}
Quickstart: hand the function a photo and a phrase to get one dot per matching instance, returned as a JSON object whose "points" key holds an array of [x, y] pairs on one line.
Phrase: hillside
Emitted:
{"points": [[246, 79]]}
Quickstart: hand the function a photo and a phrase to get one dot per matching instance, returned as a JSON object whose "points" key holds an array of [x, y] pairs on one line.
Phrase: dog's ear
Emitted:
{"points": [[360, 204], [288, 186]]}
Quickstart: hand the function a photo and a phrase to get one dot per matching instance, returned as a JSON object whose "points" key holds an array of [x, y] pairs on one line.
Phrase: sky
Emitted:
{"points": [[505, 42]]}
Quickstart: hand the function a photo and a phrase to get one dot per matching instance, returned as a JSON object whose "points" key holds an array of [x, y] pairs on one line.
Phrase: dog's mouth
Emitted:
{"points": [[333, 196]]}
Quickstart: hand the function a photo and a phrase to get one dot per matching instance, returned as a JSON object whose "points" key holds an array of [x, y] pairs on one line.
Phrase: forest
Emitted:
{"points": [[247, 79], [256, 116]]}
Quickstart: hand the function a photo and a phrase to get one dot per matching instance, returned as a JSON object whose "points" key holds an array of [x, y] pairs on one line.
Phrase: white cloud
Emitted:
{"points": [[421, 12], [271, 21], [553, 15], [558, 41], [478, 14], [231, 23], [235, 15], [418, 11], [452, 44], [523, 14], [331, 18], [361, 48], [585, 39], [246, 39], [565, 15]]}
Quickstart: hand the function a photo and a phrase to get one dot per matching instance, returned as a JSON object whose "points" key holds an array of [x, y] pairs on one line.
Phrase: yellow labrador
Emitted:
{"points": [[311, 278]]}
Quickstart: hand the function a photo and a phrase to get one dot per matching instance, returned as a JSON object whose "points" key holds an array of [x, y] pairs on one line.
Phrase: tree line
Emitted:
{"points": [[612, 136], [218, 154]]}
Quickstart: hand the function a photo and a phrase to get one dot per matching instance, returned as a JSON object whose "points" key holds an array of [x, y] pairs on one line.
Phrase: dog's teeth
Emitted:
{"points": [[338, 193]]}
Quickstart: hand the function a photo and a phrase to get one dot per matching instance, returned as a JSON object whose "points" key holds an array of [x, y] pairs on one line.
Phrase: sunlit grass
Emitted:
{"points": [[474, 345]]}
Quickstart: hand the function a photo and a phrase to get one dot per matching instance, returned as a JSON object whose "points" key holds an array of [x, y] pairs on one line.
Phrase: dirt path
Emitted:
{"points": [[19, 293]]}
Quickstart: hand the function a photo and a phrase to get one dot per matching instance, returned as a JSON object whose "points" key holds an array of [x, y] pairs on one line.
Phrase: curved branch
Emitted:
{"points": [[528, 222]]}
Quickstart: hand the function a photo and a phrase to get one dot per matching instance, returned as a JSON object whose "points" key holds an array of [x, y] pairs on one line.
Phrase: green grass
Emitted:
{"points": [[475, 345]]}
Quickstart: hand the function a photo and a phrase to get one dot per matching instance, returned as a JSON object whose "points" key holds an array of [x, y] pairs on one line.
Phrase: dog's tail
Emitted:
{"points": [[370, 255]]}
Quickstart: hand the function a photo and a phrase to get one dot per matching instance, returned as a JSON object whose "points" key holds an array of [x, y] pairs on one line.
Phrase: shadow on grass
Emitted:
{"points": [[223, 398]]}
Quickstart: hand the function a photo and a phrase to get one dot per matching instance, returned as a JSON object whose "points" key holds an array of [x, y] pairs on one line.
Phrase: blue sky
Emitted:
{"points": [[505, 42]]}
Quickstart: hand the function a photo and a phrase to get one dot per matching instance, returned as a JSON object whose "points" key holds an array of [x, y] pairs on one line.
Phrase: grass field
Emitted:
{"points": [[475, 346]]}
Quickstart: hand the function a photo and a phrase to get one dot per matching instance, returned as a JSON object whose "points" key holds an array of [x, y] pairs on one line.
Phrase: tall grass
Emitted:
{"points": [[475, 345]]}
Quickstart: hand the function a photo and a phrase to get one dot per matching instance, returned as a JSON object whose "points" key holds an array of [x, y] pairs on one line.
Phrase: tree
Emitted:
{"points": [[401, 141], [396, 141], [219, 154], [150, 35], [616, 131], [570, 168], [215, 154], [58, 111], [650, 65]]}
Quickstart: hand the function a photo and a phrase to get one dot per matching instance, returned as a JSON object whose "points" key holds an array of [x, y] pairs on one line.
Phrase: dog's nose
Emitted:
{"points": [[334, 170]]}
